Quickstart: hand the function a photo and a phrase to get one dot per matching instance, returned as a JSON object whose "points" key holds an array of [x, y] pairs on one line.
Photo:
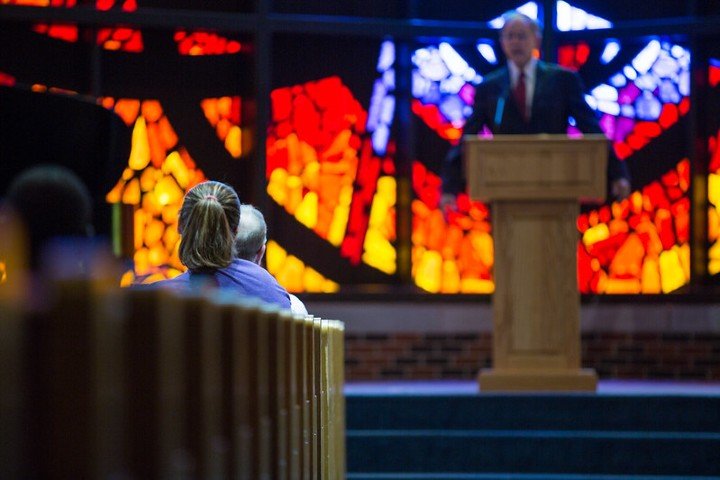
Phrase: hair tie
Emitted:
{"points": [[211, 197]]}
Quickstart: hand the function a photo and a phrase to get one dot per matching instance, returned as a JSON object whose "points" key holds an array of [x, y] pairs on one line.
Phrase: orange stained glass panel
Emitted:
{"points": [[641, 244], [293, 274], [110, 38], [451, 253], [65, 32], [159, 173], [322, 169], [224, 114], [7, 80], [714, 205], [205, 43], [379, 251]]}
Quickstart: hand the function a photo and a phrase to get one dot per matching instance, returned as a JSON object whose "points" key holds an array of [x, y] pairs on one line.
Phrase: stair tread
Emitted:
{"points": [[410, 433], [548, 436], [515, 476]]}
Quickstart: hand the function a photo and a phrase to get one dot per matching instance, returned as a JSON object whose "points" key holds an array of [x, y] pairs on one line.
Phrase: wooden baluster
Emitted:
{"points": [[279, 350], [142, 345], [340, 392], [303, 413], [317, 358], [294, 393], [237, 424], [309, 409], [324, 402], [262, 392], [14, 375], [213, 441], [13, 388], [78, 393], [177, 389]]}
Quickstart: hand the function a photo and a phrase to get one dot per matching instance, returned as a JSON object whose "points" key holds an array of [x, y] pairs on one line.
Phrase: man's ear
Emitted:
{"points": [[260, 254]]}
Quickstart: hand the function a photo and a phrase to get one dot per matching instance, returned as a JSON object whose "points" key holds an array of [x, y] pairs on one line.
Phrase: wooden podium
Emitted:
{"points": [[535, 183]]}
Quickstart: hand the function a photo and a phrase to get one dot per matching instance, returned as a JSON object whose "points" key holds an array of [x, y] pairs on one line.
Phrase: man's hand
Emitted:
{"points": [[620, 188]]}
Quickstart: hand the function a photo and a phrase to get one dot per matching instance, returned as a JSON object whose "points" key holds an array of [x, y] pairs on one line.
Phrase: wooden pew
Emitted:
{"points": [[149, 383]]}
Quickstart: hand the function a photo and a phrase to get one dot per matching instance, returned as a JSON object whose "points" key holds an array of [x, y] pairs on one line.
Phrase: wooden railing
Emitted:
{"points": [[122, 383]]}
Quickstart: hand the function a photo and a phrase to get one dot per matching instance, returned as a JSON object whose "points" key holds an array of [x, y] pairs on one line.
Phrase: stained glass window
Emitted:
{"points": [[637, 103], [191, 131], [331, 145], [574, 18], [714, 175], [159, 173], [224, 115], [205, 43], [111, 38], [330, 159], [647, 96], [330, 165], [530, 9], [639, 245], [452, 252]]}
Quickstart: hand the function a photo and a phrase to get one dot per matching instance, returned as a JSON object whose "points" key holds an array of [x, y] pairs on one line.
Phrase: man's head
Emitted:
{"points": [[252, 234], [51, 201], [519, 37]]}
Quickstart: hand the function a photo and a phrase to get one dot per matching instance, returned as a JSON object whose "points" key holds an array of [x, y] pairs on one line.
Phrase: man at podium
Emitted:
{"points": [[527, 96]]}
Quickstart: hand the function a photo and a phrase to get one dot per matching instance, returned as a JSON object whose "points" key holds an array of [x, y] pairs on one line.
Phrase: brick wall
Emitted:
{"points": [[399, 355]]}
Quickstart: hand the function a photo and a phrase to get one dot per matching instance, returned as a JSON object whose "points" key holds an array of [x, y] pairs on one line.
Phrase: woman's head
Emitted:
{"points": [[208, 223]]}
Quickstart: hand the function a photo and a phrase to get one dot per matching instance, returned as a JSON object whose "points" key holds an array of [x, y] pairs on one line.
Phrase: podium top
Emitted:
{"points": [[536, 167]]}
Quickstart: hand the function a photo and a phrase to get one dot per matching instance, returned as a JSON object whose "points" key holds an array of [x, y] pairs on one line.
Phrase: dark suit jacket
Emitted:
{"points": [[558, 95]]}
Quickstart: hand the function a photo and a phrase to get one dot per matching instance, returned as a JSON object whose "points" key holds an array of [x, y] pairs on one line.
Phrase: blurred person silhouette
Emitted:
{"points": [[51, 202], [48, 210], [208, 224], [251, 241]]}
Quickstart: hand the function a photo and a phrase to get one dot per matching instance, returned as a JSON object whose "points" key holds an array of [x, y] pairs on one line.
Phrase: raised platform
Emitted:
{"points": [[469, 387], [630, 430]]}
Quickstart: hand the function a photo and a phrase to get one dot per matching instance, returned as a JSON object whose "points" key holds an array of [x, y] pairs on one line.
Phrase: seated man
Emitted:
{"points": [[250, 245]]}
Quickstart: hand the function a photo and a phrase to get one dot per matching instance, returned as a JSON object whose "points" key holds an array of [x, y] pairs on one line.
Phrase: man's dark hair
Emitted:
{"points": [[51, 201]]}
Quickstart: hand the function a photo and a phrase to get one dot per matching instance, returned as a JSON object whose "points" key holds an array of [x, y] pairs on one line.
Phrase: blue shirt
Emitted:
{"points": [[241, 276]]}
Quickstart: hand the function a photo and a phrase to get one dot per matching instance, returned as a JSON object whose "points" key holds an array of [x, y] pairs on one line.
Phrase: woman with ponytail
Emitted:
{"points": [[208, 224]]}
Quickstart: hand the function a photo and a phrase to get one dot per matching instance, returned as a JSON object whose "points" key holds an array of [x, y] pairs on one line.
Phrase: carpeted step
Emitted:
{"points": [[539, 451], [535, 412], [540, 434]]}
